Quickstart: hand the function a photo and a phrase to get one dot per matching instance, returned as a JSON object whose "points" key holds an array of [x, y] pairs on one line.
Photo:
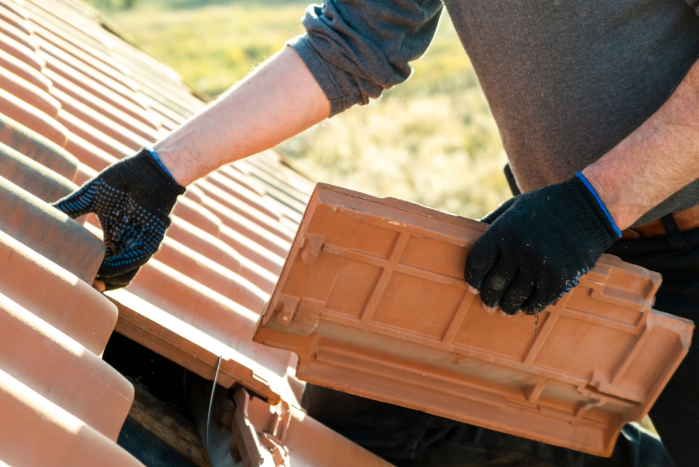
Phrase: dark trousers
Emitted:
{"points": [[409, 438]]}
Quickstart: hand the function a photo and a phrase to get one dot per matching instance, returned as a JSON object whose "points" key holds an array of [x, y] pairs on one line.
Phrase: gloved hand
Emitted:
{"points": [[132, 199], [538, 245]]}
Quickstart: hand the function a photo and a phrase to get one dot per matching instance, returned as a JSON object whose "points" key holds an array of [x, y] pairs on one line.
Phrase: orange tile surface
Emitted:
{"points": [[35, 432], [373, 301], [115, 97], [61, 370], [55, 295], [49, 232], [198, 351], [33, 118], [33, 177], [38, 148]]}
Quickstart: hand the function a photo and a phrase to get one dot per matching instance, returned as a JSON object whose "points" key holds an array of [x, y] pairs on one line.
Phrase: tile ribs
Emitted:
{"points": [[372, 300]]}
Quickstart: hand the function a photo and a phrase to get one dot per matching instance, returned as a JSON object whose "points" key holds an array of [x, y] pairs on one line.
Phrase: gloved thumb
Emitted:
{"points": [[79, 203]]}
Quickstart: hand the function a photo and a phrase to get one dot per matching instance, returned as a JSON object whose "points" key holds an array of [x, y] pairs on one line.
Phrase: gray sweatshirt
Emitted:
{"points": [[566, 80]]}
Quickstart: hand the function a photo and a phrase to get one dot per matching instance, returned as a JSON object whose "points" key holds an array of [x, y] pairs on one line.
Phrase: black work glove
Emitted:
{"points": [[538, 245], [132, 199]]}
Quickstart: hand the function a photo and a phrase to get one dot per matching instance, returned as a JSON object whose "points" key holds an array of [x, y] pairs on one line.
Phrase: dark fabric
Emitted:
{"points": [[445, 443], [537, 247], [450, 444], [679, 292], [387, 430], [408, 438], [132, 199], [676, 412], [356, 49], [566, 80]]}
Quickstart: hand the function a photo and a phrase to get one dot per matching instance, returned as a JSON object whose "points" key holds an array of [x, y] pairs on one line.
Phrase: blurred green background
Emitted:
{"points": [[431, 140]]}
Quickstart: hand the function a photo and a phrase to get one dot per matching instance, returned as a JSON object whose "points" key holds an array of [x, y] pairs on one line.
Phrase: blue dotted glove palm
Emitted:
{"points": [[538, 245], [132, 199]]}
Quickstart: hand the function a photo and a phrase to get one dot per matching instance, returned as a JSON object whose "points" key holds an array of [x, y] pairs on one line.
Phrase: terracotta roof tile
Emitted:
{"points": [[61, 370], [81, 61], [33, 177], [35, 432], [29, 93], [55, 295], [49, 232], [206, 310], [244, 226], [121, 127], [189, 209], [353, 302], [31, 117], [90, 156], [15, 31], [83, 129], [207, 271], [24, 70], [21, 52], [15, 7], [261, 269], [37, 148]]}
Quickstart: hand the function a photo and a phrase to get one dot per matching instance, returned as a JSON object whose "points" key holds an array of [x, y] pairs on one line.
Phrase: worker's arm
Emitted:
{"points": [[541, 242], [277, 101], [134, 197], [658, 159], [348, 55]]}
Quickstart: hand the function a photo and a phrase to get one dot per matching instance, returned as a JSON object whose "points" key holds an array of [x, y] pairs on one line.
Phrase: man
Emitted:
{"points": [[597, 104]]}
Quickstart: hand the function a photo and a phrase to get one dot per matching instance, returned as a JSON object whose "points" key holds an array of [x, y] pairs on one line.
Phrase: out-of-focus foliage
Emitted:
{"points": [[113, 4], [431, 140], [212, 46], [110, 5]]}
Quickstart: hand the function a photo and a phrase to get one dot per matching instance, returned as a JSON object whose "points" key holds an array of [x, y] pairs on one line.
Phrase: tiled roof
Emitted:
{"points": [[74, 98]]}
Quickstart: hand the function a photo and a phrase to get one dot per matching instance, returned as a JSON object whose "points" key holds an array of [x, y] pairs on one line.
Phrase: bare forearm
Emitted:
{"points": [[277, 101], [655, 161]]}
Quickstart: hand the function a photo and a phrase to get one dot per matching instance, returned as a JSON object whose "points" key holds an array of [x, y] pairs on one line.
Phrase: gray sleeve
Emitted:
{"points": [[357, 48]]}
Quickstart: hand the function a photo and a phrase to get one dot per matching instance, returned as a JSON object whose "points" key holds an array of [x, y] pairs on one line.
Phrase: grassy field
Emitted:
{"points": [[431, 140]]}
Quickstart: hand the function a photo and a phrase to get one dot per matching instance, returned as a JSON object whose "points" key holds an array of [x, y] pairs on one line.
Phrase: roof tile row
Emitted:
{"points": [[35, 432], [55, 295], [29, 175], [48, 231], [54, 388], [61, 370]]}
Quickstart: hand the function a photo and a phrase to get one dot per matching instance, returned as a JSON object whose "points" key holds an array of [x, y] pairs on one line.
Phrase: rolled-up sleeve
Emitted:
{"points": [[357, 48]]}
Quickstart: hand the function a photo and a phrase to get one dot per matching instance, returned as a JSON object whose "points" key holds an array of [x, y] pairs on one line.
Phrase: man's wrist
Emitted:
{"points": [[659, 158], [611, 192]]}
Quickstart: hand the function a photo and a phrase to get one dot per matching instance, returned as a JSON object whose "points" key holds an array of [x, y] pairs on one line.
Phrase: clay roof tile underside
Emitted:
{"points": [[372, 299]]}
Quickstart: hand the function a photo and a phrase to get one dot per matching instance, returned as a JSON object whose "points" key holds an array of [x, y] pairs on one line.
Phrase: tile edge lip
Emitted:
{"points": [[404, 205]]}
